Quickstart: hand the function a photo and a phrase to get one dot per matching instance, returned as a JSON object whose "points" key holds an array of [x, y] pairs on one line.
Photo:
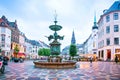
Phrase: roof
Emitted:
{"points": [[3, 23], [34, 42], [13, 24], [114, 7]]}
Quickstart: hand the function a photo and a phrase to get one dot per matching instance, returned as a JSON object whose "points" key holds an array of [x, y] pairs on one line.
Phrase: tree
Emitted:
{"points": [[44, 52], [40, 52], [16, 50], [72, 50]]}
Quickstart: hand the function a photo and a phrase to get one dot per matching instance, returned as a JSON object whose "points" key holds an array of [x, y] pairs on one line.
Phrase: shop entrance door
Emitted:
{"points": [[108, 54]]}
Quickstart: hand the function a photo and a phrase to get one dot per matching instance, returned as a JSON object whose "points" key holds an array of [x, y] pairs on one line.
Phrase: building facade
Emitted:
{"points": [[14, 33], [28, 49], [109, 32], [95, 37], [90, 47], [22, 42], [5, 38]]}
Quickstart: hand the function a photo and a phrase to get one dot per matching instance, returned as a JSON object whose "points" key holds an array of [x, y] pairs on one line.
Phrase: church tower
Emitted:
{"points": [[94, 36], [73, 41], [95, 24]]}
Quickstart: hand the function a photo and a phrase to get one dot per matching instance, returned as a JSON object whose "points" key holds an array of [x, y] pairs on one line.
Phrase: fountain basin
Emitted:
{"points": [[55, 65]]}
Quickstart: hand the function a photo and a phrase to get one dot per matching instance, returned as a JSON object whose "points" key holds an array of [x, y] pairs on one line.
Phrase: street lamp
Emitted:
{"points": [[0, 50]]}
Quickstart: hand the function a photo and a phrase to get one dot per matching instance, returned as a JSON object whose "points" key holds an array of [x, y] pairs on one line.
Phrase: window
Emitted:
{"points": [[108, 29], [108, 41], [2, 30], [116, 41], [2, 23], [117, 50], [99, 54], [33, 51], [94, 44], [115, 16], [3, 38], [3, 45], [107, 18], [116, 28], [102, 55]]}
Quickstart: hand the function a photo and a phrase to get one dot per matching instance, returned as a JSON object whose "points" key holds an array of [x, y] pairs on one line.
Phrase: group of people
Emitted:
{"points": [[116, 59], [20, 59], [4, 59]]}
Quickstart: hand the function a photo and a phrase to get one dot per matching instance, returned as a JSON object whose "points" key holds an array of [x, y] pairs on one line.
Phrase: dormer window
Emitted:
{"points": [[119, 6], [3, 24]]}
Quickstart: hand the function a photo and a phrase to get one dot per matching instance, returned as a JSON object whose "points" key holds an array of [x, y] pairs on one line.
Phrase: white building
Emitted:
{"points": [[28, 49], [5, 38], [94, 37], [109, 32], [85, 47], [90, 45], [22, 42]]}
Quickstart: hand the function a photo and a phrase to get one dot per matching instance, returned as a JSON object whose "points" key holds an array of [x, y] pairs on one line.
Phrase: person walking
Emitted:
{"points": [[90, 59], [116, 59]]}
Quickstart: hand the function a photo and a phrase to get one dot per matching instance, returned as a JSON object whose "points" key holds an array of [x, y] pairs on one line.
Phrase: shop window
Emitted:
{"points": [[117, 50]]}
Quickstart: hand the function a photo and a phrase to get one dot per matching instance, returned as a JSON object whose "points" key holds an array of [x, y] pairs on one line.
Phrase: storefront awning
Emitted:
{"points": [[23, 55], [88, 55], [117, 53]]}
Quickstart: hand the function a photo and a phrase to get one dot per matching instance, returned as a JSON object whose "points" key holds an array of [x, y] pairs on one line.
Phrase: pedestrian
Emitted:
{"points": [[5, 60], [11, 58], [116, 59], [21, 60], [90, 59], [1, 57]]}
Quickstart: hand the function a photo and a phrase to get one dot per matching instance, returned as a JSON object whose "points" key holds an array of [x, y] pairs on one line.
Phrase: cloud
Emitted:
{"points": [[35, 16], [63, 7]]}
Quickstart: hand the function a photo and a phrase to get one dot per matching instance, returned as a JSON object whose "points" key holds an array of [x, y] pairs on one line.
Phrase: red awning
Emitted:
{"points": [[23, 55]]}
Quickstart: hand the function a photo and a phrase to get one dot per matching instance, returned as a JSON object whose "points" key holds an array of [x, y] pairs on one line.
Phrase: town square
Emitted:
{"points": [[44, 40]]}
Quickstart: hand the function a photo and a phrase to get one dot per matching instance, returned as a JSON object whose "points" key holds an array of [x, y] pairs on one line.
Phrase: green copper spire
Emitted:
{"points": [[95, 17], [95, 23]]}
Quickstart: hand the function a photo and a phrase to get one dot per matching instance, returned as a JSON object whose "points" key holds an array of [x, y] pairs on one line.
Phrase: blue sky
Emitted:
{"points": [[35, 16]]}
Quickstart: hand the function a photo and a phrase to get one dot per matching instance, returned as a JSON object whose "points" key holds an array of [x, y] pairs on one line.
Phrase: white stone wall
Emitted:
{"points": [[7, 34], [103, 35], [22, 43]]}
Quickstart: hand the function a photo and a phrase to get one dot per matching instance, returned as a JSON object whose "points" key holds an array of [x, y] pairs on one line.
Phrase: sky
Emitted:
{"points": [[35, 16]]}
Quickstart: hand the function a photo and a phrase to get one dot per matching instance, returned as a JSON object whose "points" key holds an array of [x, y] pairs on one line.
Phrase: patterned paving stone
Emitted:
{"points": [[84, 71]]}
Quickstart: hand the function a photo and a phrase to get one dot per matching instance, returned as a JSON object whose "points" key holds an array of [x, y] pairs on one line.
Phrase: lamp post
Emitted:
{"points": [[0, 50]]}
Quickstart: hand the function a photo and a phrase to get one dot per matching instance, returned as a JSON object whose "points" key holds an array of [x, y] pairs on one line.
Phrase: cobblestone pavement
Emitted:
{"points": [[84, 71]]}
